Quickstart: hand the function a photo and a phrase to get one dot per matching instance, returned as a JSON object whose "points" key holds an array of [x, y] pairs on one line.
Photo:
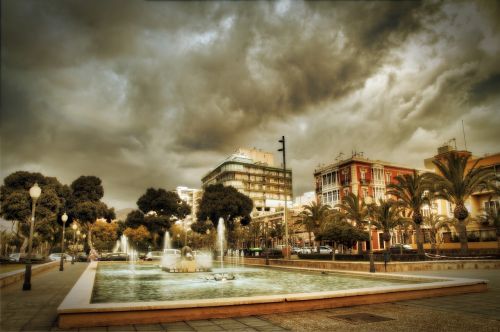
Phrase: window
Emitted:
{"points": [[336, 196], [492, 206], [365, 192], [388, 177], [363, 174]]}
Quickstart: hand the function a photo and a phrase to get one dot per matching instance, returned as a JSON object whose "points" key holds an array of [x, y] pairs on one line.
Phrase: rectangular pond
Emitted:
{"points": [[142, 283], [116, 293]]}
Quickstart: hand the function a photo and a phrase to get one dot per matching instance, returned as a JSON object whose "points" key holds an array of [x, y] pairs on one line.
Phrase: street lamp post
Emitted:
{"points": [[282, 141], [372, 263], [74, 241], [35, 193], [266, 224], [64, 218]]}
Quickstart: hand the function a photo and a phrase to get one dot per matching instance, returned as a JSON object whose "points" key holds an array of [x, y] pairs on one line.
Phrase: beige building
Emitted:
{"points": [[192, 198], [477, 203], [253, 172]]}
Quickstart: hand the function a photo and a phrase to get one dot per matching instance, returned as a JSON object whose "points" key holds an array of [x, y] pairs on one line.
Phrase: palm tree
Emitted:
{"points": [[386, 216], [435, 223], [456, 183], [355, 211], [314, 215], [411, 190]]}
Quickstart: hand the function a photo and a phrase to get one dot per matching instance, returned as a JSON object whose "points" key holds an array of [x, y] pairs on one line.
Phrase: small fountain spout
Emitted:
{"points": [[221, 229]]}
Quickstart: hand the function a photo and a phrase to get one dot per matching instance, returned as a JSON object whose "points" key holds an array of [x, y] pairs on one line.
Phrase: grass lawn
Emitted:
{"points": [[10, 267]]}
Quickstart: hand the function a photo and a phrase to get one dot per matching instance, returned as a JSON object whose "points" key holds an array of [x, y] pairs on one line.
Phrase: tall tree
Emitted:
{"points": [[337, 228], [160, 201], [16, 205], [159, 208], [86, 204], [356, 212], [105, 235], [386, 216], [412, 190], [228, 203], [317, 214], [138, 236], [456, 182]]}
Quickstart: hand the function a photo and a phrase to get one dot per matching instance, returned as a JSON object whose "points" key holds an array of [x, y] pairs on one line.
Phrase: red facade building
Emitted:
{"points": [[358, 175]]}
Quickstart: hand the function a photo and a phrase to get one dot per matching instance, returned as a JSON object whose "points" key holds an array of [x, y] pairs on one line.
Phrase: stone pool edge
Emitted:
{"points": [[77, 311]]}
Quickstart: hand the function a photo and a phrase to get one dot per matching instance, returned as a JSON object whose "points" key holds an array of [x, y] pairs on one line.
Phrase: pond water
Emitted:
{"points": [[140, 283]]}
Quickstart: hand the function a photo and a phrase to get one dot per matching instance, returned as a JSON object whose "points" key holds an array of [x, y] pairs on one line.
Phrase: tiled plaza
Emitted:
{"points": [[36, 310]]}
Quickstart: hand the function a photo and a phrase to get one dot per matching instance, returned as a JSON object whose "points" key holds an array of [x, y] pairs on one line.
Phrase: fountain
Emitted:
{"points": [[122, 246], [155, 296], [221, 229], [167, 241], [184, 260]]}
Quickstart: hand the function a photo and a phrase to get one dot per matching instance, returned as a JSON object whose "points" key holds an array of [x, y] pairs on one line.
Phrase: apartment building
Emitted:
{"points": [[358, 175], [253, 172], [191, 197]]}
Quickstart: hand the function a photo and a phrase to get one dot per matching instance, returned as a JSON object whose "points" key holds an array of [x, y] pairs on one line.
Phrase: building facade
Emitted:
{"points": [[358, 175], [253, 173], [192, 198], [478, 202]]}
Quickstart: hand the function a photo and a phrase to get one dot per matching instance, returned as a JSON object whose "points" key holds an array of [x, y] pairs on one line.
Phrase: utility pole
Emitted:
{"points": [[287, 251]]}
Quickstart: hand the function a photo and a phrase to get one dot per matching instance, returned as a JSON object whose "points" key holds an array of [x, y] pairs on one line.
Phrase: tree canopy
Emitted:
{"points": [[228, 203], [16, 203], [86, 205], [162, 202], [456, 182]]}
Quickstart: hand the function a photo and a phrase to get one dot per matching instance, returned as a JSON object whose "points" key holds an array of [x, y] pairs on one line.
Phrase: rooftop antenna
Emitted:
{"points": [[463, 130]]}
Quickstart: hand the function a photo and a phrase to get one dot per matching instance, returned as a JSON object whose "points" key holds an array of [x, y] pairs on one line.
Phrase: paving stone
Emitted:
{"points": [[204, 322], [209, 328], [121, 328], [253, 321], [149, 327], [93, 329], [177, 327]]}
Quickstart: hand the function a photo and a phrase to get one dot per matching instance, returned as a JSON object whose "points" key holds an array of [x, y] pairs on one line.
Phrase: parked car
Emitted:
{"points": [[325, 250], [172, 252], [295, 250], [114, 256], [407, 249], [81, 257], [20, 258], [16, 257], [154, 256], [306, 250], [56, 256]]}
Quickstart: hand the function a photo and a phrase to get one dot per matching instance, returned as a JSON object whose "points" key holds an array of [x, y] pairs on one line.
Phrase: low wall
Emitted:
{"points": [[18, 275], [379, 267], [456, 245]]}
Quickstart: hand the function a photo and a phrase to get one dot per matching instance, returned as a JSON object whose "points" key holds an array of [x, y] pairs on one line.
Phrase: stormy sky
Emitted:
{"points": [[156, 93]]}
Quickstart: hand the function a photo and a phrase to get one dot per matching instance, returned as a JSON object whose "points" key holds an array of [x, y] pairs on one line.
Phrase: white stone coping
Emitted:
{"points": [[78, 299]]}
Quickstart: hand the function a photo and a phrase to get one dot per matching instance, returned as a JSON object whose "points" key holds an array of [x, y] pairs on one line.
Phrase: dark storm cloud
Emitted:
{"points": [[156, 93]]}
